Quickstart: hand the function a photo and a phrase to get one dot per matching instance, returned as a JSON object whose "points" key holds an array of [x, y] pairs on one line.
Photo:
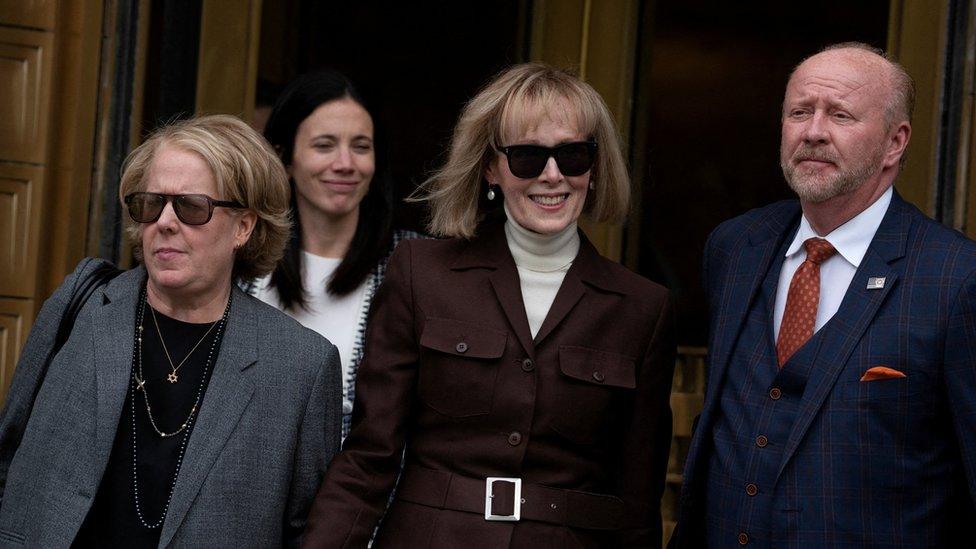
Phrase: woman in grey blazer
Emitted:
{"points": [[180, 411]]}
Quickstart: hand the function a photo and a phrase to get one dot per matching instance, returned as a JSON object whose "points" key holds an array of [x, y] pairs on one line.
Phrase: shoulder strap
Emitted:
{"points": [[99, 276]]}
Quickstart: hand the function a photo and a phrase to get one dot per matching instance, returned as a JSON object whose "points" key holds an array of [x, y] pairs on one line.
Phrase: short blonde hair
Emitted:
{"points": [[246, 170], [509, 104]]}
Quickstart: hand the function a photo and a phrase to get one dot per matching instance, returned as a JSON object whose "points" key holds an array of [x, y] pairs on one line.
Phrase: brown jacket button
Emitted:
{"points": [[528, 365], [515, 438], [743, 538], [752, 489], [461, 347], [598, 376], [762, 441], [775, 393]]}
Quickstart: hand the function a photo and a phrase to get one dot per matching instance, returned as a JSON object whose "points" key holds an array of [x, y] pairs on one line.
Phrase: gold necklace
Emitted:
{"points": [[172, 377]]}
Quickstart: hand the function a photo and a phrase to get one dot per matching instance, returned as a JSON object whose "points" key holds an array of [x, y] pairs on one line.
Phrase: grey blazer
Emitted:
{"points": [[267, 428]]}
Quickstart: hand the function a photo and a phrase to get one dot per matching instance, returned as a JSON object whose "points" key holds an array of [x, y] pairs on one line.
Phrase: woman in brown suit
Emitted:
{"points": [[527, 376]]}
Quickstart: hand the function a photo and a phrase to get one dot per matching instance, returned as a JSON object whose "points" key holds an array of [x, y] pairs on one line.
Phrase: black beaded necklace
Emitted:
{"points": [[137, 384]]}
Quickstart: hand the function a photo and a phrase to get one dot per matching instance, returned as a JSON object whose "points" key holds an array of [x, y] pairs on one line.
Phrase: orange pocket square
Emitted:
{"points": [[881, 372]]}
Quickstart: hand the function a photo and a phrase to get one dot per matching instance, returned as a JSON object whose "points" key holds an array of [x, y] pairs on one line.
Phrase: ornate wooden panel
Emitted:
{"points": [[598, 38], [39, 14], [25, 76], [16, 317], [229, 39], [21, 188]]}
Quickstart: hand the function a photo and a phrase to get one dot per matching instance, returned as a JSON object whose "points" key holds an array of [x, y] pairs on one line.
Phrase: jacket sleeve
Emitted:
{"points": [[356, 488], [646, 436], [318, 438], [959, 367], [28, 375]]}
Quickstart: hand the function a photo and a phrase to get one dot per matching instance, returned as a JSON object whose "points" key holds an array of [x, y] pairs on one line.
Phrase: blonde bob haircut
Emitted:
{"points": [[246, 170], [514, 101]]}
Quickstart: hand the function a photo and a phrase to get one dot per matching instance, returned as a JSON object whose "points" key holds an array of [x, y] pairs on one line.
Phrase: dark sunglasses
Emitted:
{"points": [[528, 161], [192, 209]]}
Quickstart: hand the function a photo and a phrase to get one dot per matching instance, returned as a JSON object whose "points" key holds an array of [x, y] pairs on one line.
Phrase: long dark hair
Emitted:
{"points": [[374, 230]]}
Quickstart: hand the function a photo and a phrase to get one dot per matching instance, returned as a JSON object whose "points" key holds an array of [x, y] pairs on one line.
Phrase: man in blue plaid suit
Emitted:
{"points": [[862, 431]]}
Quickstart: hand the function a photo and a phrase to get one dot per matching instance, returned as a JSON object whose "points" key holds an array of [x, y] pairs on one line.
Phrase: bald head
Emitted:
{"points": [[879, 70]]}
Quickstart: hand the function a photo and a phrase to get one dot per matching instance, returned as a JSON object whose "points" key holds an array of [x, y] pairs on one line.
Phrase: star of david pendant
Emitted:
{"points": [[172, 377]]}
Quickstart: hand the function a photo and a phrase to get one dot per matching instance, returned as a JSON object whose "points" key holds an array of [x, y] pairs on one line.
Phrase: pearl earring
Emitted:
{"points": [[491, 192]]}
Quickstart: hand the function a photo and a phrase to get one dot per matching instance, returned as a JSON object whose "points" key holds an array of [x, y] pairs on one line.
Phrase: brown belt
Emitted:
{"points": [[572, 508]]}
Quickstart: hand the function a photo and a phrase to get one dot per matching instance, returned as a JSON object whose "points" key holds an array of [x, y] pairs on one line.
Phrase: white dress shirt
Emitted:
{"points": [[851, 240]]}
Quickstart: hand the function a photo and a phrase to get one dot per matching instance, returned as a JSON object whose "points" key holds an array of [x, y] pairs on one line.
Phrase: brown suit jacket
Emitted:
{"points": [[452, 371]]}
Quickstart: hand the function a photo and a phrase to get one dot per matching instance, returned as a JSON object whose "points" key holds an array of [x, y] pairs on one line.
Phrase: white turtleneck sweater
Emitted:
{"points": [[542, 262]]}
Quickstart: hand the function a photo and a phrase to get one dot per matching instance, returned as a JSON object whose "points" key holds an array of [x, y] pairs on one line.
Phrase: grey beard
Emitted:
{"points": [[816, 189]]}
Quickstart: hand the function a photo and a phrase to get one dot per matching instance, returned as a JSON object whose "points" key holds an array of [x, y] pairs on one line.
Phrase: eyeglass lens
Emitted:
{"points": [[528, 161], [192, 209]]}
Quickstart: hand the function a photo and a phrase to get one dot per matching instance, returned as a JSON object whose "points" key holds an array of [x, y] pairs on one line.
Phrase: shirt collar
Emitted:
{"points": [[851, 240]]}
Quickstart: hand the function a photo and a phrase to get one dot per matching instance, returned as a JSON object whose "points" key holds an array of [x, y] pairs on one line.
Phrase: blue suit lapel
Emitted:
{"points": [[747, 267], [842, 333]]}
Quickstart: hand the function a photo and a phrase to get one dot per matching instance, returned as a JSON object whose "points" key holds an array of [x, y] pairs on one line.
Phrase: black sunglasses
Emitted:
{"points": [[528, 161], [192, 209]]}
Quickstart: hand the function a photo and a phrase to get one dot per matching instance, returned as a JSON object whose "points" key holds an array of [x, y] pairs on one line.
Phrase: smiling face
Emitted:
{"points": [[836, 139], [550, 202], [183, 260], [333, 160]]}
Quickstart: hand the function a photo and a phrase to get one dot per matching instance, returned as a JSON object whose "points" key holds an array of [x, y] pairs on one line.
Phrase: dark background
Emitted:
{"points": [[712, 80], [708, 88]]}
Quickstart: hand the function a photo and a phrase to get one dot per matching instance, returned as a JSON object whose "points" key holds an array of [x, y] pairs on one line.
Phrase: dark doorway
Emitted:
{"points": [[417, 63], [711, 77]]}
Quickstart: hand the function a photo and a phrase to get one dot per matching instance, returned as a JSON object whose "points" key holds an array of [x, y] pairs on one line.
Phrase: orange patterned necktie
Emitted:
{"points": [[800, 314]]}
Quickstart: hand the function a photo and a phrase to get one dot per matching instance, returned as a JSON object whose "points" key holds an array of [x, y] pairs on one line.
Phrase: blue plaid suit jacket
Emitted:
{"points": [[879, 463]]}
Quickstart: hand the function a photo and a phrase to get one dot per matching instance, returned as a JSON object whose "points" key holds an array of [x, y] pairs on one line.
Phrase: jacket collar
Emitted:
{"points": [[489, 250]]}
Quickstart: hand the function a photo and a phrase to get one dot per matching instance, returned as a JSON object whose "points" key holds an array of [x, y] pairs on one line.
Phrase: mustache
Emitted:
{"points": [[810, 153]]}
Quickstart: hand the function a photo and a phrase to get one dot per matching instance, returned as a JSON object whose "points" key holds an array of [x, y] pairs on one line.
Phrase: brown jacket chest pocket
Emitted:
{"points": [[458, 366], [592, 382]]}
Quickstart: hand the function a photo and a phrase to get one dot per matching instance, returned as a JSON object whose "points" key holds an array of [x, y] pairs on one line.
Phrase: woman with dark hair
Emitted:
{"points": [[342, 202]]}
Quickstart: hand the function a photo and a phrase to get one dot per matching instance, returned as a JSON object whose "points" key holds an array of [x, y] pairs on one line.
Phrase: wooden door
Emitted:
{"points": [[49, 55]]}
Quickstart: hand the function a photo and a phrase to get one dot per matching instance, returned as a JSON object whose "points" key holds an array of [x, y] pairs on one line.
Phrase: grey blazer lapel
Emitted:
{"points": [[113, 325], [224, 401]]}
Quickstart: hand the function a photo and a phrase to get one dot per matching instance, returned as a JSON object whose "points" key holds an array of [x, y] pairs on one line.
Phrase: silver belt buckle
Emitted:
{"points": [[516, 503]]}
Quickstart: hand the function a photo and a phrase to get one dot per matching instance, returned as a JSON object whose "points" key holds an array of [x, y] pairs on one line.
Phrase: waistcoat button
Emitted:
{"points": [[775, 393], [743, 538], [762, 441], [752, 489]]}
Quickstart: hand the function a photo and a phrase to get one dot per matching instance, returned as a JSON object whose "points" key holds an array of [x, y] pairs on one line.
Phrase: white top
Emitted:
{"points": [[334, 317], [542, 262], [851, 240]]}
